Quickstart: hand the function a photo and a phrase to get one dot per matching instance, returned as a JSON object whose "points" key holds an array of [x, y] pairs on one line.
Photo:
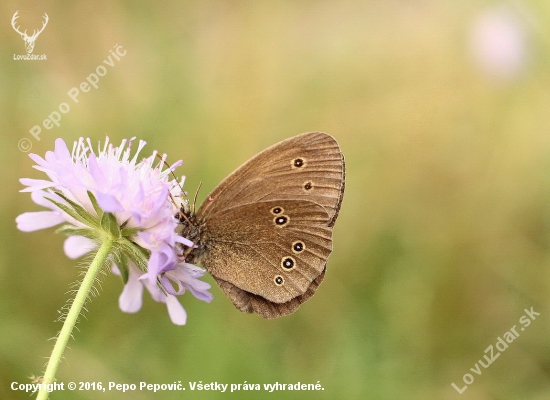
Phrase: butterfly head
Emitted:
{"points": [[189, 228]]}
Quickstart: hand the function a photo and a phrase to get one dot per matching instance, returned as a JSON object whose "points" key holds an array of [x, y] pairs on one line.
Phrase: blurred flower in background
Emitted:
{"points": [[500, 43]]}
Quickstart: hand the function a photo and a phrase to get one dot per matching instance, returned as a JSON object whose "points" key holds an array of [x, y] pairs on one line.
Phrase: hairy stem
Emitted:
{"points": [[72, 316]]}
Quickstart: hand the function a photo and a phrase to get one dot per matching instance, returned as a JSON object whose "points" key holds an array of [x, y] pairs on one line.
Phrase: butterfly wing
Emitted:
{"points": [[275, 255], [309, 166], [266, 230], [250, 303]]}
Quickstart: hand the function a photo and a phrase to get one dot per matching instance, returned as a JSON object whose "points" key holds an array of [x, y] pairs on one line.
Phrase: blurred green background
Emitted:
{"points": [[442, 109]]}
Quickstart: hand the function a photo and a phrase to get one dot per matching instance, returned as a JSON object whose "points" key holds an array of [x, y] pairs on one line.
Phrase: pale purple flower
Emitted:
{"points": [[185, 275], [500, 42], [137, 194]]}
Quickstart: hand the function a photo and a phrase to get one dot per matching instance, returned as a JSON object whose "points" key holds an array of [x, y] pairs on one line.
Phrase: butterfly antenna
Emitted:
{"points": [[182, 214], [195, 198], [175, 178], [171, 171]]}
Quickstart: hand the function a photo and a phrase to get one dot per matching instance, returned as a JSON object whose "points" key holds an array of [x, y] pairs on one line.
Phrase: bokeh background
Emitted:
{"points": [[442, 109]]}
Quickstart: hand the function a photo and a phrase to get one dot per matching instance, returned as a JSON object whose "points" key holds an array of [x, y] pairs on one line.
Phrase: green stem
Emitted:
{"points": [[72, 316]]}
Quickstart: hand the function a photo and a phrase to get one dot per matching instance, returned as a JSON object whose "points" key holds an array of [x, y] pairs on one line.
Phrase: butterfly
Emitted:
{"points": [[265, 232]]}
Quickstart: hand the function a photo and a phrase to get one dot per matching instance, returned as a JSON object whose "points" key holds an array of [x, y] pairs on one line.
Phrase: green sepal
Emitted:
{"points": [[129, 232], [68, 210], [75, 210], [95, 204], [137, 254], [122, 262], [110, 224], [123, 251], [162, 289], [71, 230]]}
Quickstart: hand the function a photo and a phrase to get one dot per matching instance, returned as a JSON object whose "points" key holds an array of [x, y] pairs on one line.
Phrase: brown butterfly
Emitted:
{"points": [[265, 232]]}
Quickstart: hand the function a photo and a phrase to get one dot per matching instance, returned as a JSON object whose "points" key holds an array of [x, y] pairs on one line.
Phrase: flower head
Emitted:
{"points": [[500, 43], [109, 194]]}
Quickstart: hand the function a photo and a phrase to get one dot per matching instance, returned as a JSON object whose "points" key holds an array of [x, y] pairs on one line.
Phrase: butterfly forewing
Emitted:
{"points": [[309, 166]]}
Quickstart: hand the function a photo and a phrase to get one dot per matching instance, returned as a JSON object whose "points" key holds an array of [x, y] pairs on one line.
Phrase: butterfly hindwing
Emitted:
{"points": [[288, 239], [251, 303]]}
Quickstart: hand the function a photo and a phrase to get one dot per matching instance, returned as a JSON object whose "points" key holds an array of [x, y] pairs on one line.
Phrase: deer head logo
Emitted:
{"points": [[29, 40]]}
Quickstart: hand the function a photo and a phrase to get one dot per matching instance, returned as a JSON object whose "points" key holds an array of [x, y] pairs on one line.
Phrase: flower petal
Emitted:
{"points": [[40, 197], [199, 289], [154, 291], [175, 310], [108, 203], [77, 246], [35, 184], [61, 150], [185, 275], [184, 241], [34, 221], [131, 298]]}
